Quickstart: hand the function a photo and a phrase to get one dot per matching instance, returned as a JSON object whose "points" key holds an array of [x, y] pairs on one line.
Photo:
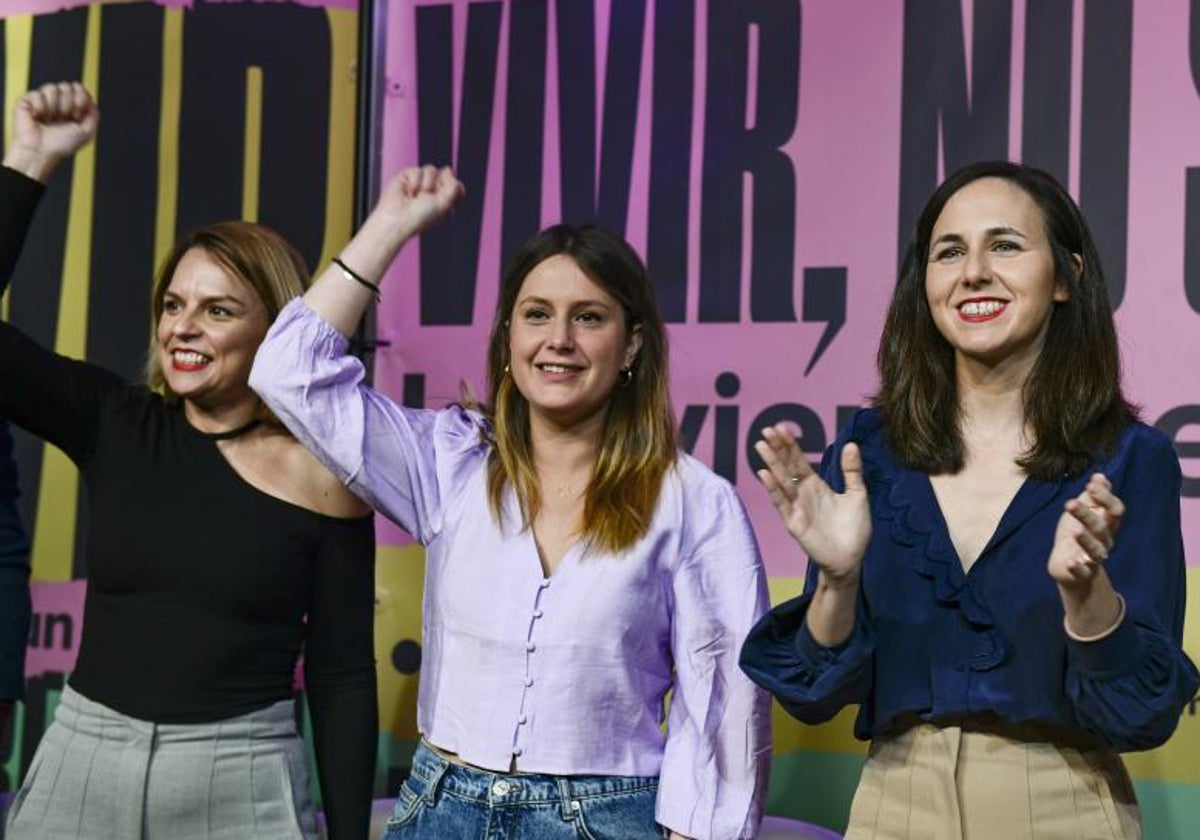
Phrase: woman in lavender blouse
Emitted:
{"points": [[579, 567]]}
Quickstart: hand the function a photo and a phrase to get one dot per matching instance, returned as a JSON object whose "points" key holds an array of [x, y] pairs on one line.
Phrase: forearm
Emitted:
{"points": [[338, 298], [831, 614], [345, 723]]}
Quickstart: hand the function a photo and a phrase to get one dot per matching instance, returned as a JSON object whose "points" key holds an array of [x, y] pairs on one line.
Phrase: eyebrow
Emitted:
{"points": [[993, 231], [209, 300], [574, 304]]}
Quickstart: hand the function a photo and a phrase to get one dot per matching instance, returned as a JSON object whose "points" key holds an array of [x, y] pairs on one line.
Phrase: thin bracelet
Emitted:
{"points": [[358, 278], [1103, 634]]}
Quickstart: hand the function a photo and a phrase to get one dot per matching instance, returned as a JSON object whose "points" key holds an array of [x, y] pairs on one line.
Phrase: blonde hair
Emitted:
{"points": [[637, 445], [259, 256]]}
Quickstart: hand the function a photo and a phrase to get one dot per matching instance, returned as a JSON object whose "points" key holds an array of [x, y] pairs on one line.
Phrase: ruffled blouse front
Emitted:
{"points": [[937, 643]]}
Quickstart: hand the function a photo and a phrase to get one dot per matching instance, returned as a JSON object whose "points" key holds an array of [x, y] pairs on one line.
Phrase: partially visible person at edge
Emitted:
{"points": [[997, 571], [15, 607], [216, 548], [579, 566]]}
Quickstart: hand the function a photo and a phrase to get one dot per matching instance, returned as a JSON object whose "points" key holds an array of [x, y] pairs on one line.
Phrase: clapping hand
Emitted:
{"points": [[1086, 533], [832, 528]]}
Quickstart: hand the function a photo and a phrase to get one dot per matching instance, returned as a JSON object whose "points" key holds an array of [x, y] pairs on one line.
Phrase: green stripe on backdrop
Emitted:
{"points": [[1170, 810]]}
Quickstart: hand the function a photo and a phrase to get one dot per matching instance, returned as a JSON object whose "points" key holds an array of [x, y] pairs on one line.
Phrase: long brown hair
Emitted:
{"points": [[259, 256], [1073, 398], [637, 445]]}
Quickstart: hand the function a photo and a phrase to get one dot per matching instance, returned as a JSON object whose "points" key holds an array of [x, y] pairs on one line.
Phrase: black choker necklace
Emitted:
{"points": [[234, 433]]}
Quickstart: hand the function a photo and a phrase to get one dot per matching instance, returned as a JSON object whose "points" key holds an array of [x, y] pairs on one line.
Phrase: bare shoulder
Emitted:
{"points": [[322, 491], [279, 465]]}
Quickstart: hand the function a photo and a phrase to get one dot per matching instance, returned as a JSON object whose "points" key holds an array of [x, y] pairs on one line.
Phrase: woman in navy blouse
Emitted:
{"points": [[998, 571]]}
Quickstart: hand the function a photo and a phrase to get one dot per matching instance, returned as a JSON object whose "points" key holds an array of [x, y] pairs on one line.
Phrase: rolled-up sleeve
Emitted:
{"points": [[714, 772]]}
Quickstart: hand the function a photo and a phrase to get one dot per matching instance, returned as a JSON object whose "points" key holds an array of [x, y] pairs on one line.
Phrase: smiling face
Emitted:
{"points": [[568, 342], [210, 327], [991, 280]]}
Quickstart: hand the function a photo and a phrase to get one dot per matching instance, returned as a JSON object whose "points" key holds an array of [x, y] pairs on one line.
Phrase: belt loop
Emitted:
{"points": [[435, 781], [570, 808]]}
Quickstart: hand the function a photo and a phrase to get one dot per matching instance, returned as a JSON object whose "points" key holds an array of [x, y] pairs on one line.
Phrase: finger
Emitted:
{"points": [[1100, 490], [410, 180], [787, 448], [1081, 567], [429, 176], [1094, 523], [81, 101], [781, 476], [49, 93], [66, 101], [781, 454], [852, 468], [775, 491], [450, 186], [30, 103]]}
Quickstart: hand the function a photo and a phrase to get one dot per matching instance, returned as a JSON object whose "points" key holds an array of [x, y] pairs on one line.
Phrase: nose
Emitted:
{"points": [[563, 337], [184, 324], [977, 271]]}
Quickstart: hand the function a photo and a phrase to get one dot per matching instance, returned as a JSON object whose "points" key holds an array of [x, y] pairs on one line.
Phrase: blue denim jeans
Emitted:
{"points": [[448, 801]]}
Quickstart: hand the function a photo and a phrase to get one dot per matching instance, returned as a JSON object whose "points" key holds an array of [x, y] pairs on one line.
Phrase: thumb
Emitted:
{"points": [[852, 468]]}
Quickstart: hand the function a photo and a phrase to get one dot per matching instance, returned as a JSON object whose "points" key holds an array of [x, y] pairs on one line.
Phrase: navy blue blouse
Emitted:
{"points": [[936, 643]]}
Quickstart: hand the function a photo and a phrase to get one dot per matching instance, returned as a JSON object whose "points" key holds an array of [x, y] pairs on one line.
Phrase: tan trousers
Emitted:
{"points": [[947, 783]]}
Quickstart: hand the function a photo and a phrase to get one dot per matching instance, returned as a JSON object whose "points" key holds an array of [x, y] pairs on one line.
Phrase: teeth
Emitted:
{"points": [[982, 307], [189, 357], [555, 368]]}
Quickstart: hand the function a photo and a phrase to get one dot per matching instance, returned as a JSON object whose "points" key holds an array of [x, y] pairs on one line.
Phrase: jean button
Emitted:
{"points": [[500, 788]]}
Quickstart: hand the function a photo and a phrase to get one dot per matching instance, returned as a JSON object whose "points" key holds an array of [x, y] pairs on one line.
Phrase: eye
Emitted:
{"points": [[218, 311], [950, 252], [172, 306], [589, 317], [535, 314], [1004, 246]]}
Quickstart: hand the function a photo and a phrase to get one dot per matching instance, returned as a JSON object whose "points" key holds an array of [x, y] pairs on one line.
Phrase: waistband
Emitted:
{"points": [[81, 714], [435, 775]]}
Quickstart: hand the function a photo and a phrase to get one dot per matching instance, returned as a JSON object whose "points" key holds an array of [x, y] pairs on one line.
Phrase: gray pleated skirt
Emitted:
{"points": [[1006, 783], [100, 774]]}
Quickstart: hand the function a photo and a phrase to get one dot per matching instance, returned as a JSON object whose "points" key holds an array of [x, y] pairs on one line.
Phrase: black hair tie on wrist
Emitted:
{"points": [[358, 278]]}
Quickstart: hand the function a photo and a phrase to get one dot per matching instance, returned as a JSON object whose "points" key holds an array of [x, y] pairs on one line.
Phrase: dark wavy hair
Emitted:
{"points": [[1073, 399], [637, 445]]}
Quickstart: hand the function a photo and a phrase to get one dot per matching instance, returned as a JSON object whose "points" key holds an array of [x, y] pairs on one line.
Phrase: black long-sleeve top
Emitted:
{"points": [[15, 609], [202, 589]]}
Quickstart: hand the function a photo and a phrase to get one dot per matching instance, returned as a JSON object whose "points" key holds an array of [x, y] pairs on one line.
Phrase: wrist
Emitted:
{"points": [[31, 162], [846, 581]]}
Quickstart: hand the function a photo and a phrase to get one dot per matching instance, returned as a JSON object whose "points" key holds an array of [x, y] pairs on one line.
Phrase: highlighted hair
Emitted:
{"points": [[637, 445]]}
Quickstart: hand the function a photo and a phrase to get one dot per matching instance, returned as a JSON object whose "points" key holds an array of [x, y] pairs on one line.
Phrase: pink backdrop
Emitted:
{"points": [[845, 153]]}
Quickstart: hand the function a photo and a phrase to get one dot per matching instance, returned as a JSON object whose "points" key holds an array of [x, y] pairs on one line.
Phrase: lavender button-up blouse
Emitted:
{"points": [[568, 673]]}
